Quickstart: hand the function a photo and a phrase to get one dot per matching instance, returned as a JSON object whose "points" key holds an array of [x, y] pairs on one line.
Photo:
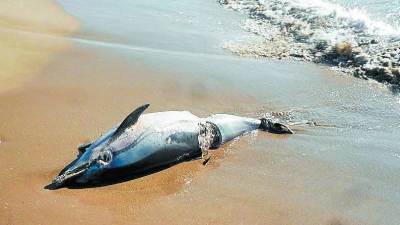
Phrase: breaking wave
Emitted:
{"points": [[321, 32]]}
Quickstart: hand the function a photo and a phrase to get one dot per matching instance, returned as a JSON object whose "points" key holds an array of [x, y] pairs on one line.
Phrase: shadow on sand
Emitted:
{"points": [[111, 178]]}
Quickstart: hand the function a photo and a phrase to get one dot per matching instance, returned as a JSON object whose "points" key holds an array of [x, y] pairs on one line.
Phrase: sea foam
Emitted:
{"points": [[322, 32]]}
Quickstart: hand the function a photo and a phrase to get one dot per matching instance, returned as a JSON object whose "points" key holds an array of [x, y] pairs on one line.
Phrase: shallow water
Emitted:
{"points": [[343, 169]]}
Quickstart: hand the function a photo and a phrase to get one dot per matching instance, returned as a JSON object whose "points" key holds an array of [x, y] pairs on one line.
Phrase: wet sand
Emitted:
{"points": [[45, 119]]}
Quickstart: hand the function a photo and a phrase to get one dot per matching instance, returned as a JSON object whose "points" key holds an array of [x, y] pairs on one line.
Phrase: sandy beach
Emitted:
{"points": [[30, 34], [72, 69]]}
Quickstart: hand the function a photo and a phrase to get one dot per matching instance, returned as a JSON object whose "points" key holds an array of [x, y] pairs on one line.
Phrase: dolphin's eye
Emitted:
{"points": [[105, 157]]}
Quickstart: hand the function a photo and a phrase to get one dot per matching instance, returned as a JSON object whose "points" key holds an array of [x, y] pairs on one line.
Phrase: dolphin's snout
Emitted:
{"points": [[84, 171], [69, 174]]}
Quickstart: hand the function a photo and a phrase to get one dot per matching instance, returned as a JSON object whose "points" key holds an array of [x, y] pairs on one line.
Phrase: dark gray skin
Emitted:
{"points": [[142, 142]]}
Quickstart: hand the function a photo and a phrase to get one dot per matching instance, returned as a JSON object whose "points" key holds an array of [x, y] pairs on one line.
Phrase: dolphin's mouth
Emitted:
{"points": [[59, 180]]}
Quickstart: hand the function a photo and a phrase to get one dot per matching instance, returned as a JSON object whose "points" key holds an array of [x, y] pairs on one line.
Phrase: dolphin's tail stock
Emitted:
{"points": [[274, 127], [230, 126]]}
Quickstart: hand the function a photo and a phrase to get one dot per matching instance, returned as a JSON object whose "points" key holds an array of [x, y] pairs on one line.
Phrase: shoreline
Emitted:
{"points": [[25, 50]]}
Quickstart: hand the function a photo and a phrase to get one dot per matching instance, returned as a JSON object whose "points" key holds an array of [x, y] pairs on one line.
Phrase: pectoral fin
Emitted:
{"points": [[82, 147]]}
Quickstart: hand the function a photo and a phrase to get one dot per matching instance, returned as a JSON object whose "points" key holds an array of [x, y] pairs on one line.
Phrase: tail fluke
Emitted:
{"points": [[274, 127]]}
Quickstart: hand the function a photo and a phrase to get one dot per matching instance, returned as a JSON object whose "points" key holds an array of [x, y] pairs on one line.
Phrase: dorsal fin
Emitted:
{"points": [[130, 120]]}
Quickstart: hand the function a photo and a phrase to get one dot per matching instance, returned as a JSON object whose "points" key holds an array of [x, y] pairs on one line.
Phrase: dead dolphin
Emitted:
{"points": [[142, 142]]}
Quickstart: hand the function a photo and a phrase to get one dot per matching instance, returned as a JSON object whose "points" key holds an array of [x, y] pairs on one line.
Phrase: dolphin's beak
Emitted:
{"points": [[69, 174]]}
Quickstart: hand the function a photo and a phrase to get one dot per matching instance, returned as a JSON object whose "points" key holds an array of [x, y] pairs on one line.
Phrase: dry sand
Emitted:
{"points": [[28, 38]]}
